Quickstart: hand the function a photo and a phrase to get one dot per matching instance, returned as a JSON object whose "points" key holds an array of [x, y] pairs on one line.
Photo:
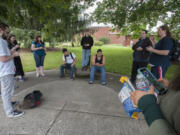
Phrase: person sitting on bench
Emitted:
{"points": [[98, 65], [69, 60]]}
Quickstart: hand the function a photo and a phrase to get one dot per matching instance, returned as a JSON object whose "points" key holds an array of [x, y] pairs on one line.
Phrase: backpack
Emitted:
{"points": [[174, 55], [32, 100], [70, 55]]}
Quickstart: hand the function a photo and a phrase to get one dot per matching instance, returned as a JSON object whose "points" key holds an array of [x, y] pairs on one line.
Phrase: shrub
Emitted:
{"points": [[105, 40], [98, 43]]}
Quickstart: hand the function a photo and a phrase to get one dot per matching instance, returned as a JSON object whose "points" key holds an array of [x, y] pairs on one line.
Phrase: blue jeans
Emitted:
{"points": [[85, 56], [101, 70], [67, 66], [39, 60]]}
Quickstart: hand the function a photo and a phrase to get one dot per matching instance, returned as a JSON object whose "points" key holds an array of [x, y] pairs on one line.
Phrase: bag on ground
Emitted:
{"points": [[32, 100]]}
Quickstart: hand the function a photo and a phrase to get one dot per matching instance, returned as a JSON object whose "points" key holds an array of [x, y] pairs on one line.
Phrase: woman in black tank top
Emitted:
{"points": [[98, 65], [100, 61]]}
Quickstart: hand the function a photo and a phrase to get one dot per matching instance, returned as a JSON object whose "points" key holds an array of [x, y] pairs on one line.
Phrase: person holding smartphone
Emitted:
{"points": [[162, 118], [39, 52], [14, 46], [7, 73]]}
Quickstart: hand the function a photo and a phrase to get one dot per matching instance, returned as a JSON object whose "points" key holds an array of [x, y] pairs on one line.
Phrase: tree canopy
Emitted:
{"points": [[130, 16], [62, 19], [55, 18]]}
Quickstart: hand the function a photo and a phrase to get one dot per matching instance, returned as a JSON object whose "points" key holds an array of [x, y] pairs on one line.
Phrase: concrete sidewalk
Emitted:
{"points": [[70, 108]]}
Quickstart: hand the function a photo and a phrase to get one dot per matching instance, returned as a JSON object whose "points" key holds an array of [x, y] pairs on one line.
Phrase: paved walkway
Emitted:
{"points": [[71, 108]]}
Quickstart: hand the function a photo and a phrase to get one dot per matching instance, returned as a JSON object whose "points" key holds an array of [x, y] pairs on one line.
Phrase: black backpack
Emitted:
{"points": [[174, 55], [32, 100]]}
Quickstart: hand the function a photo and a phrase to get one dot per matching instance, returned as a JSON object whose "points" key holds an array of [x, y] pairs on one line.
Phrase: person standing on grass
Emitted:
{"points": [[7, 73], [14, 46], [98, 64], [140, 55], [69, 61], [86, 43], [160, 57], [39, 52]]}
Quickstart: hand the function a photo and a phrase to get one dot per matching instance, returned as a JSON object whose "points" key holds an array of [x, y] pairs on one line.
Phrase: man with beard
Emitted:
{"points": [[7, 73]]}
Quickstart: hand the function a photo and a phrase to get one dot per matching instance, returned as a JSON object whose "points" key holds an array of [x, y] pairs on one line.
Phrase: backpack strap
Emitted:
{"points": [[70, 55]]}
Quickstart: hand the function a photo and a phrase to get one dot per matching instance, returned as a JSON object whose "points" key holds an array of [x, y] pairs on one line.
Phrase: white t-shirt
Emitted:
{"points": [[69, 59], [6, 68]]}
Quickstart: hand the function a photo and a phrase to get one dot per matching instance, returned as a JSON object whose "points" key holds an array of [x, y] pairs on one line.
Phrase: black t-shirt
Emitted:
{"points": [[165, 43], [11, 45], [142, 56], [87, 40]]}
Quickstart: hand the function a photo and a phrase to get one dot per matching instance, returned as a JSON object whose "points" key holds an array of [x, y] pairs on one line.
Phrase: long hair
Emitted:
{"points": [[166, 28], [175, 85], [38, 36], [9, 39]]}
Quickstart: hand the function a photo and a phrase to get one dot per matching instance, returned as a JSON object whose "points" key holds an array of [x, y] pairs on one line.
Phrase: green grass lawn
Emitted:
{"points": [[118, 60]]}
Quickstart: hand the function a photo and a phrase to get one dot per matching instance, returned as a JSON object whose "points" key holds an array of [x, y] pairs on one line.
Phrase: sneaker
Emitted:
{"points": [[21, 80], [15, 114], [103, 83], [90, 82], [72, 78], [42, 74], [86, 68], [37, 75]]}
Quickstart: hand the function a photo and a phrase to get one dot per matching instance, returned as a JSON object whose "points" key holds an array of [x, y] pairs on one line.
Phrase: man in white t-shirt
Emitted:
{"points": [[69, 60], [7, 73]]}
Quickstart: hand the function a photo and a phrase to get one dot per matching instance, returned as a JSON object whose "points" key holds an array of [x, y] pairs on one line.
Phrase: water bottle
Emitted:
{"points": [[142, 83]]}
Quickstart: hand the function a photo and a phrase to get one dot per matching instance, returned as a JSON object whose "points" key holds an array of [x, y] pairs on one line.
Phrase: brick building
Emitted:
{"points": [[99, 32]]}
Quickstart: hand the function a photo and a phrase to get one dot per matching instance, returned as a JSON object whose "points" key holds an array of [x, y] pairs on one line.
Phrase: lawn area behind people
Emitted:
{"points": [[118, 59]]}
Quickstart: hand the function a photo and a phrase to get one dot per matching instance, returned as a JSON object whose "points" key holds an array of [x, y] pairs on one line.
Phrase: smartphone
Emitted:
{"points": [[160, 89]]}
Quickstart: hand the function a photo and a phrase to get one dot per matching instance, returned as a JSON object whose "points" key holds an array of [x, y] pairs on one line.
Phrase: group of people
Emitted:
{"points": [[11, 65], [69, 60], [157, 55], [163, 118], [7, 70], [98, 61]]}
